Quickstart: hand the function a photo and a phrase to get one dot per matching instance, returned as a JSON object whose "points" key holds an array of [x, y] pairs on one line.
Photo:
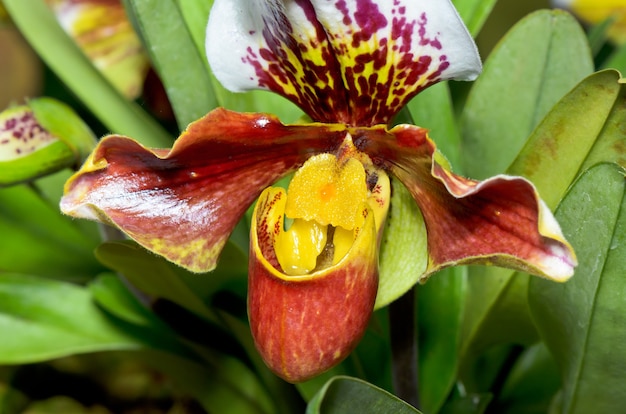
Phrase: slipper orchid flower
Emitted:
{"points": [[351, 65]]}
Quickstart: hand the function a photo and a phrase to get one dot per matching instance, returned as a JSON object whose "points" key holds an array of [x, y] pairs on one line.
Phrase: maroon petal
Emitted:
{"points": [[184, 203], [500, 221]]}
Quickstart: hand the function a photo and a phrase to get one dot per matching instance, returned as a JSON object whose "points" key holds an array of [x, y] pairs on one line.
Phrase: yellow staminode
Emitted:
{"points": [[328, 191], [324, 199]]}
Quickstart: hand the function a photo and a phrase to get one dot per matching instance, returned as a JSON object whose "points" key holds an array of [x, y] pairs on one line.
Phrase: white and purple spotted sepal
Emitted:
{"points": [[356, 62]]}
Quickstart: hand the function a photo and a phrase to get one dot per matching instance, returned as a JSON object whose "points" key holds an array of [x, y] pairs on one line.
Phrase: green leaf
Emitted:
{"points": [[196, 15], [351, 395], [50, 319], [403, 250], [175, 56], [583, 129], [497, 308], [535, 64], [581, 320], [153, 275], [38, 240], [474, 13], [217, 383], [111, 295], [109, 292], [439, 336], [57, 49]]}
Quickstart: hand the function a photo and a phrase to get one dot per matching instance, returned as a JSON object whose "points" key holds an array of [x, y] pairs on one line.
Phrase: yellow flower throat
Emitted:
{"points": [[325, 203]]}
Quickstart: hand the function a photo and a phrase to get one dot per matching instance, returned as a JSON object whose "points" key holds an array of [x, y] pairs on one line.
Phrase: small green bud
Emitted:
{"points": [[40, 138]]}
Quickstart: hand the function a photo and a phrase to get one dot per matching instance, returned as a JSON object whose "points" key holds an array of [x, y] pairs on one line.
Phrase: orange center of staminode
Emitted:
{"points": [[327, 192]]}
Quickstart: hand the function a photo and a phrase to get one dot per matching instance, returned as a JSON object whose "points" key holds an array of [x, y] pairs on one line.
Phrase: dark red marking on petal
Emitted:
{"points": [[331, 81], [185, 202], [467, 221]]}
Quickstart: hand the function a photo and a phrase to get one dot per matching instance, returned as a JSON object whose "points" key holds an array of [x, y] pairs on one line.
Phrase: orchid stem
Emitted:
{"points": [[403, 332]]}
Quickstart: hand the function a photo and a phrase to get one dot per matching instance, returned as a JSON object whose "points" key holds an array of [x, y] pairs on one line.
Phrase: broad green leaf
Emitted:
{"points": [[496, 310], [38, 240], [109, 292], [535, 64], [581, 321], [440, 312], [44, 319], [372, 358], [175, 56], [343, 395], [38, 24], [432, 109], [153, 275], [403, 254], [583, 129], [474, 13], [496, 307], [196, 15]]}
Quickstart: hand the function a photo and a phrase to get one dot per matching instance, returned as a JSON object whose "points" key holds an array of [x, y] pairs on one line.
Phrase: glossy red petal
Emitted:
{"points": [[500, 221], [184, 203]]}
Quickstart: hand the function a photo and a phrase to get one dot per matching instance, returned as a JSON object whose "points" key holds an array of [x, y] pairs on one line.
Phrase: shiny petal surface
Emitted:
{"points": [[104, 33], [500, 221], [350, 61], [183, 203], [305, 325]]}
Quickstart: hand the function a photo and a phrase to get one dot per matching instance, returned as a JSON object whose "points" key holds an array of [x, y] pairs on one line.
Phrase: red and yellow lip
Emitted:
{"points": [[303, 325]]}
